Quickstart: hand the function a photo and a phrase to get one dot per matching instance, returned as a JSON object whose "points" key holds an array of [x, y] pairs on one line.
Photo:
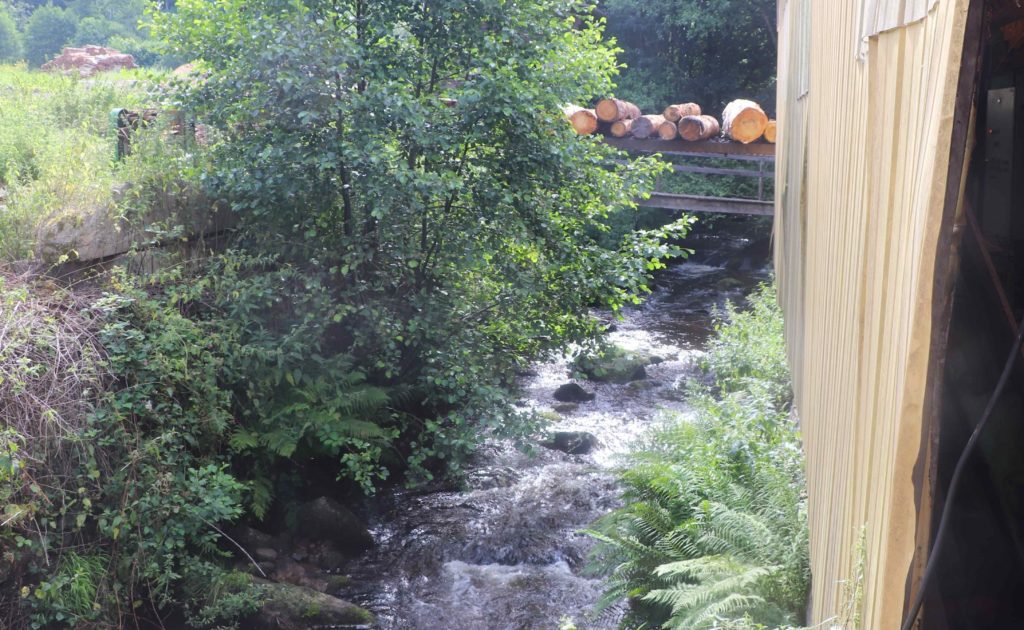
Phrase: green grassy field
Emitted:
{"points": [[57, 146]]}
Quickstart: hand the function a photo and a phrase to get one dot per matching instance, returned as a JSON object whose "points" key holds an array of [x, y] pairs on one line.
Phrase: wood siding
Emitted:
{"points": [[863, 154]]}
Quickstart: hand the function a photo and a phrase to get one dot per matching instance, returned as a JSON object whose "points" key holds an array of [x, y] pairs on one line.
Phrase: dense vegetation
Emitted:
{"points": [[714, 529], [413, 225], [56, 146], [36, 31], [708, 51]]}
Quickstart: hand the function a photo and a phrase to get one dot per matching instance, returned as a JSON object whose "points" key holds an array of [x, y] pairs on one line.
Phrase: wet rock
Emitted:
{"points": [[300, 574], [566, 407], [572, 442], [326, 519], [573, 393], [640, 386], [265, 554], [290, 607], [616, 365], [251, 538]]}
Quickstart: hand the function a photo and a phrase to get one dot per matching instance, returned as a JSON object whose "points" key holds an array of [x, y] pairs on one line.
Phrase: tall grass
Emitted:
{"points": [[57, 146]]}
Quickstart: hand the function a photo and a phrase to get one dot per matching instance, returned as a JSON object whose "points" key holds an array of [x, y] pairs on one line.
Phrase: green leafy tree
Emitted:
{"points": [[10, 40], [410, 163], [95, 30], [709, 51], [48, 30]]}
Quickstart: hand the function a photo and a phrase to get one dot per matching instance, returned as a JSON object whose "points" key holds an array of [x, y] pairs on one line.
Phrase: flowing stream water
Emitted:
{"points": [[504, 552]]}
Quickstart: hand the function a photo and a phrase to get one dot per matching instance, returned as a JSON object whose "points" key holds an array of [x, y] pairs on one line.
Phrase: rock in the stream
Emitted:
{"points": [[326, 519], [571, 442], [616, 365], [251, 538], [290, 607], [566, 407], [573, 393], [265, 554]]}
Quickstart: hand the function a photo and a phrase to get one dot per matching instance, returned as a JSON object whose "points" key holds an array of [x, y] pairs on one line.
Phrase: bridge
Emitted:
{"points": [[759, 159]]}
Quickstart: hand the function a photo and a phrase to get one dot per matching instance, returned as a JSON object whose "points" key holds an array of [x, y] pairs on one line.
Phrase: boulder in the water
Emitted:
{"points": [[291, 607], [573, 393], [572, 442], [616, 365], [326, 519], [566, 407]]}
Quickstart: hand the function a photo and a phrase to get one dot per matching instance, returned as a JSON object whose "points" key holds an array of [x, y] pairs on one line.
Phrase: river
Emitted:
{"points": [[504, 551]]}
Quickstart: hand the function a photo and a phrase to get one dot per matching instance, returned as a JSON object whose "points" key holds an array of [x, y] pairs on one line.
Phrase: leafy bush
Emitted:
{"points": [[412, 230], [749, 349], [48, 30], [117, 427], [714, 527]]}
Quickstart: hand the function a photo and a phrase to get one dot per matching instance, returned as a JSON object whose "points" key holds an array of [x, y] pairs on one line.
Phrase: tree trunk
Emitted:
{"points": [[584, 121], [697, 127], [744, 121], [610, 110], [667, 130], [673, 113], [620, 128], [769, 131], [646, 126]]}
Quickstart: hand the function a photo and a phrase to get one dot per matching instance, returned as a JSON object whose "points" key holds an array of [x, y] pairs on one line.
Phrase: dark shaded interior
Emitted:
{"points": [[979, 576]]}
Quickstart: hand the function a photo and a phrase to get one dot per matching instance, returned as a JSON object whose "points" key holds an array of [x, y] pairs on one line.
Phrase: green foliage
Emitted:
{"points": [[10, 39], [136, 468], [731, 362], [56, 147], [416, 224], [714, 527], [48, 30], [95, 31], [708, 51]]}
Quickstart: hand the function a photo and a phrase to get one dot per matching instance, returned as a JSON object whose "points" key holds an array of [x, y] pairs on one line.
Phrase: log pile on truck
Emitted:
{"points": [[742, 121]]}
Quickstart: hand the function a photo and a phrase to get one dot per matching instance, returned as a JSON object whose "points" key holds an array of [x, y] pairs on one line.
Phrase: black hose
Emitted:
{"points": [[954, 483]]}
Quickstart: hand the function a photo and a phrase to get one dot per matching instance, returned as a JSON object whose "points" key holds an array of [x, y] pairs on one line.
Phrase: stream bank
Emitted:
{"points": [[504, 552]]}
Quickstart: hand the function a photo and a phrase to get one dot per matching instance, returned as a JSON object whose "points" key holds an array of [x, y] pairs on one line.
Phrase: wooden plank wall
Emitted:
{"points": [[862, 159]]}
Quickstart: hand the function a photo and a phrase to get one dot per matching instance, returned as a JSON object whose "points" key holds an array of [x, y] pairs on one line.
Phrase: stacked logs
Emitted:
{"points": [[742, 121]]}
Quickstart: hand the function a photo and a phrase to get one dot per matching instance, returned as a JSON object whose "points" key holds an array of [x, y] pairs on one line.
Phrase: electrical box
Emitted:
{"points": [[997, 197]]}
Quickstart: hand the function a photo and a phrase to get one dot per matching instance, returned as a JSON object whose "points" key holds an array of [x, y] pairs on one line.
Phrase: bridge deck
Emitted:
{"points": [[762, 153]]}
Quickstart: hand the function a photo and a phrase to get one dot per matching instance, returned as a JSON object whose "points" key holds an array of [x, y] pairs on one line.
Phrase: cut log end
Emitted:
{"points": [[744, 121], [610, 110], [667, 130], [695, 128], [584, 121], [646, 126], [673, 113], [769, 131], [620, 128]]}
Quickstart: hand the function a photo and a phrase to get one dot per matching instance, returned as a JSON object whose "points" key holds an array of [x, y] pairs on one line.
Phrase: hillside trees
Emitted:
{"points": [[10, 39], [416, 214], [711, 51], [48, 30]]}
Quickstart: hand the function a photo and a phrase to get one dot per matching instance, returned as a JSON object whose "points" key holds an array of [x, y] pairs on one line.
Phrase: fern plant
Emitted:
{"points": [[713, 530]]}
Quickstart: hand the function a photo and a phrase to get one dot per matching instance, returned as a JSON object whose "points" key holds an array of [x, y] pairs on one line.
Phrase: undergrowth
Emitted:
{"points": [[714, 530], [57, 146]]}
